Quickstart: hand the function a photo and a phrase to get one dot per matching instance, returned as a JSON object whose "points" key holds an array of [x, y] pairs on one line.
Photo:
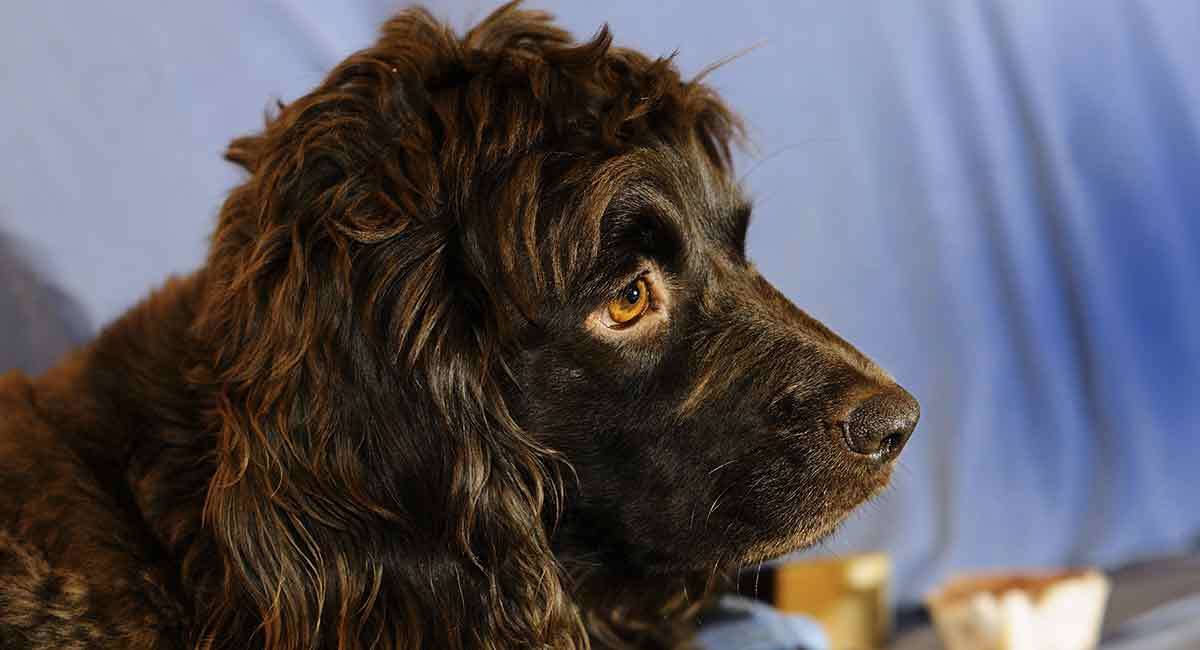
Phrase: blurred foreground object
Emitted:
{"points": [[38, 322], [847, 595], [1060, 611]]}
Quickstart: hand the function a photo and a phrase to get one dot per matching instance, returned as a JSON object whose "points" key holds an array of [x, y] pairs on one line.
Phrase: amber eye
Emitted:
{"points": [[630, 304]]}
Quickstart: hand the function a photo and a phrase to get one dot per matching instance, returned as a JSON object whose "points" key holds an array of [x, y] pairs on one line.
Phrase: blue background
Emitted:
{"points": [[998, 201]]}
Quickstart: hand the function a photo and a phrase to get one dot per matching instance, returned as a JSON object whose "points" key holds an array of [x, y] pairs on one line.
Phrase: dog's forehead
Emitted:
{"points": [[678, 185]]}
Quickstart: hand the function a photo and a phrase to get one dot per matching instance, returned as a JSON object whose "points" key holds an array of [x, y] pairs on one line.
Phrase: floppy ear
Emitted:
{"points": [[371, 486]]}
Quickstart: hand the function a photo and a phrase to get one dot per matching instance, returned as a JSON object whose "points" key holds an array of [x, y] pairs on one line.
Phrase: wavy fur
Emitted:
{"points": [[338, 432]]}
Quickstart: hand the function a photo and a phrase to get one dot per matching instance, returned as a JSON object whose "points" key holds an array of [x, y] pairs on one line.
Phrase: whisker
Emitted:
{"points": [[714, 505], [712, 578], [721, 466], [757, 573]]}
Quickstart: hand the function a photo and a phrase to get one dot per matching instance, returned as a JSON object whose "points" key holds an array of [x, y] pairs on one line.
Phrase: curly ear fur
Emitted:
{"points": [[354, 358], [372, 488]]}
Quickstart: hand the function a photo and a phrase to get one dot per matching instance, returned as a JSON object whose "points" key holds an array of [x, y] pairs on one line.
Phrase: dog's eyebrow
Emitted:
{"points": [[645, 220], [657, 235], [651, 233]]}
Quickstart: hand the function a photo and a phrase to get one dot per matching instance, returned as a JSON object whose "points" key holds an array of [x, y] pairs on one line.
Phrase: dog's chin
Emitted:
{"points": [[761, 547], [787, 539], [749, 535], [802, 539]]}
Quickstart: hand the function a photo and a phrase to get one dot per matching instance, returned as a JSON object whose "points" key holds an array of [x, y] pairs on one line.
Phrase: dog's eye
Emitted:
{"points": [[631, 304]]}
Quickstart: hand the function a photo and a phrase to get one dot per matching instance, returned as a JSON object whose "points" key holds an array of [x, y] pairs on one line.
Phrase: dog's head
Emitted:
{"points": [[482, 310], [709, 420]]}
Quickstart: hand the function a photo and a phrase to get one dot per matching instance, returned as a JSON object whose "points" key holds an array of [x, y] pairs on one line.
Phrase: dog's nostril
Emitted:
{"points": [[880, 425], [894, 441]]}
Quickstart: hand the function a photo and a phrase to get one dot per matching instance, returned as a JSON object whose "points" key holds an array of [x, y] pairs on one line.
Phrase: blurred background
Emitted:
{"points": [[999, 201]]}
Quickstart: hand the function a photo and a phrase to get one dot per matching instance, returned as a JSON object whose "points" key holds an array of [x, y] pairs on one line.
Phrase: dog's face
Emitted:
{"points": [[710, 421]]}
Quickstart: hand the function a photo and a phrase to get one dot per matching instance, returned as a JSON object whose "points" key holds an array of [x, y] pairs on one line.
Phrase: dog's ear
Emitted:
{"points": [[371, 486]]}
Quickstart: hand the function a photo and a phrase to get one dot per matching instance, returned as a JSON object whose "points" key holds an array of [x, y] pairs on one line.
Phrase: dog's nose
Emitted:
{"points": [[879, 425]]}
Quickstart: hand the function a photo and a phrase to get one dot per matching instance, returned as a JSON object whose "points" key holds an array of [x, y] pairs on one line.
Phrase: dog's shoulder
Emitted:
{"points": [[75, 570]]}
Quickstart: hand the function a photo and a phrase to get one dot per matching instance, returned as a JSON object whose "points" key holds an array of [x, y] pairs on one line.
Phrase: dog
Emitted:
{"points": [[476, 360]]}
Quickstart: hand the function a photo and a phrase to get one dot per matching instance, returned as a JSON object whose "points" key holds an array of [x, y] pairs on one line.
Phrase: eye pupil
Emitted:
{"points": [[632, 294]]}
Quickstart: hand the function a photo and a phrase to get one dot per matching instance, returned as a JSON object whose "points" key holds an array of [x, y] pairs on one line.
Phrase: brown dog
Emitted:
{"points": [[476, 361]]}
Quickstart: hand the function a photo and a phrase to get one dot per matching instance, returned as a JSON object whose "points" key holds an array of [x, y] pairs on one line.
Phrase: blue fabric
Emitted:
{"points": [[743, 624], [998, 200]]}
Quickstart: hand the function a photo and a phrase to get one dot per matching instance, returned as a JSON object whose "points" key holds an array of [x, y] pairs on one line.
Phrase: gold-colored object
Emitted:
{"points": [[631, 304], [847, 595]]}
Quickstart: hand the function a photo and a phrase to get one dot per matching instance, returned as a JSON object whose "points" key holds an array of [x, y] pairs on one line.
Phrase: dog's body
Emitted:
{"points": [[476, 361]]}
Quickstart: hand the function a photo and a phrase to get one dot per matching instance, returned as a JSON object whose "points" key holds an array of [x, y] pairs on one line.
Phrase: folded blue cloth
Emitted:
{"points": [[738, 623]]}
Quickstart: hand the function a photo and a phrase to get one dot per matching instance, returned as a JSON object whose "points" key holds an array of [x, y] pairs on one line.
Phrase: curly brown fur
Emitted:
{"points": [[384, 414]]}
